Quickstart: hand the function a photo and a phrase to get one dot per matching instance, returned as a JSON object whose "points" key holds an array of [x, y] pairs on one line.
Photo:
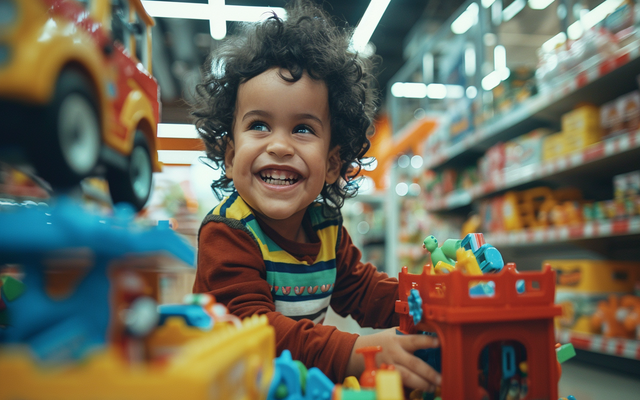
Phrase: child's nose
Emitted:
{"points": [[280, 145]]}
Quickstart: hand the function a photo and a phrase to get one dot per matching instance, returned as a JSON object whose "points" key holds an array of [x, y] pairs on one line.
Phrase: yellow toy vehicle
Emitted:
{"points": [[76, 93]]}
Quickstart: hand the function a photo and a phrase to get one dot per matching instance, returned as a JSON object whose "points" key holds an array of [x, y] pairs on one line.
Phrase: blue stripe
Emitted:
{"points": [[327, 223], [248, 219], [300, 268], [228, 203], [293, 297]]}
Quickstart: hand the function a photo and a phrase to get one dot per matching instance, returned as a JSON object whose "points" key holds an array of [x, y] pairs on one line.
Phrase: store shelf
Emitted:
{"points": [[596, 80], [598, 152], [597, 343], [554, 235]]}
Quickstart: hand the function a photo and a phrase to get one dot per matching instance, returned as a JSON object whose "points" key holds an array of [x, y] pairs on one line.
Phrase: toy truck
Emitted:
{"points": [[77, 97]]}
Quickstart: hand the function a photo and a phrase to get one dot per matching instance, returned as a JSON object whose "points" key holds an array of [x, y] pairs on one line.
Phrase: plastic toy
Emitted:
{"points": [[472, 329], [488, 257], [85, 327], [79, 99], [292, 381], [446, 253]]}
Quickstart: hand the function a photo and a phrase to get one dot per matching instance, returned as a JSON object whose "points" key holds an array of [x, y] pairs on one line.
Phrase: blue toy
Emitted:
{"points": [[292, 381], [488, 257], [192, 314], [415, 306], [68, 237]]}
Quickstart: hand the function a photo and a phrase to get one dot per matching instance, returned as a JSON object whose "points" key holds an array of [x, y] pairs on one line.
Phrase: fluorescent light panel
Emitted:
{"points": [[179, 131], [540, 4], [590, 19], [513, 9], [179, 156], [368, 24], [466, 20], [170, 9], [417, 90]]}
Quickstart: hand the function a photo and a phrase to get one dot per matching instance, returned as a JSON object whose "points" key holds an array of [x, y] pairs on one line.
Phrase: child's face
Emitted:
{"points": [[280, 157]]}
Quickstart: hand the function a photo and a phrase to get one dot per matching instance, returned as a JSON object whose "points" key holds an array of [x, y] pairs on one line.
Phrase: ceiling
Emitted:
{"points": [[181, 46]]}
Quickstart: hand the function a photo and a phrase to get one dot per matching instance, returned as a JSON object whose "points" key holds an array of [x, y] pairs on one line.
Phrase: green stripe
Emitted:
{"points": [[262, 237], [309, 279]]}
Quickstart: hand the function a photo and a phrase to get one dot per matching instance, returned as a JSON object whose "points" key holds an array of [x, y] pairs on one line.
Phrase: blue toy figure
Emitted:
{"points": [[488, 257], [292, 381], [64, 237]]}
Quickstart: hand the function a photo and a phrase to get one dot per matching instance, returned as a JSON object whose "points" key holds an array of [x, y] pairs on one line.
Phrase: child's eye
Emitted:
{"points": [[302, 129], [259, 126]]}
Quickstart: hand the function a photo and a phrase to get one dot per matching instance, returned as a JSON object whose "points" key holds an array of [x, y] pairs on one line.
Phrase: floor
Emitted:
{"points": [[583, 381], [586, 382]]}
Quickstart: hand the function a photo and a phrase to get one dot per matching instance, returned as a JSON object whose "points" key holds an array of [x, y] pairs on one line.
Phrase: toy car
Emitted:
{"points": [[76, 93]]}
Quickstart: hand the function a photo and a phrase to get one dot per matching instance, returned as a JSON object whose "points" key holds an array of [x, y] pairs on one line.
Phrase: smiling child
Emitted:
{"points": [[284, 110]]}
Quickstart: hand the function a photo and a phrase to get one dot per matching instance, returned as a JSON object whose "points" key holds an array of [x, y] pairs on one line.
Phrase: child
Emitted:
{"points": [[284, 112]]}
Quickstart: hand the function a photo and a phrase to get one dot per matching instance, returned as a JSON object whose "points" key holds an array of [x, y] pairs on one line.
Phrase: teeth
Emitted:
{"points": [[274, 177]]}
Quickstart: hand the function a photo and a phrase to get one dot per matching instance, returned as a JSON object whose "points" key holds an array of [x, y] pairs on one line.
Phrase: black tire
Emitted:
{"points": [[66, 148], [134, 184]]}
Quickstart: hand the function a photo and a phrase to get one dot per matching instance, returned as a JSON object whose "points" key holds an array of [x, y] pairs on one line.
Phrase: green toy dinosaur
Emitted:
{"points": [[446, 253]]}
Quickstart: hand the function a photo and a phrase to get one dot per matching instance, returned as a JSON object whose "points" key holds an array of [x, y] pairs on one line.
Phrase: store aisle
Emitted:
{"points": [[587, 382]]}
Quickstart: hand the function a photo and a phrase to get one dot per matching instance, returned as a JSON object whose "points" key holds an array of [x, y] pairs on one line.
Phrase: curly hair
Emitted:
{"points": [[307, 41]]}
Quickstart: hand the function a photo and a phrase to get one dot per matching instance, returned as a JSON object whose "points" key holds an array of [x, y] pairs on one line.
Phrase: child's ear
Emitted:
{"points": [[334, 164], [229, 156]]}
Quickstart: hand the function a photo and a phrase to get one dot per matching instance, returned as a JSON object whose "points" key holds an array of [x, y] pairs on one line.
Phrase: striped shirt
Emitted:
{"points": [[300, 289]]}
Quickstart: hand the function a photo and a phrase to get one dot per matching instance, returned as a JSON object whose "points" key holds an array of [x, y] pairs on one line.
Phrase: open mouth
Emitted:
{"points": [[279, 177]]}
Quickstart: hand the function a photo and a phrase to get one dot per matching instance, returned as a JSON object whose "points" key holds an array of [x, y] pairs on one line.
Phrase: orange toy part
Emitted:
{"points": [[368, 377], [605, 318]]}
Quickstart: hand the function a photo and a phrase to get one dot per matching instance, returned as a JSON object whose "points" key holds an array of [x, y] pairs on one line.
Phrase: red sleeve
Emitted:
{"points": [[231, 268], [361, 291]]}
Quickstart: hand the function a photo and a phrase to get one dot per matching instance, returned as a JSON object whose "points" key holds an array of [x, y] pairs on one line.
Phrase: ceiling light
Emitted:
{"points": [[513, 9], [179, 131], [552, 43], [183, 157], [490, 81], [499, 57], [413, 90], [217, 22], [487, 3], [368, 24], [466, 20], [436, 91], [170, 9], [540, 4], [470, 61], [590, 19]]}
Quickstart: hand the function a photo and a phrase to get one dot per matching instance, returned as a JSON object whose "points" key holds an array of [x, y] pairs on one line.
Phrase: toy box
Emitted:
{"points": [[621, 115], [553, 146], [582, 284], [581, 127], [524, 151]]}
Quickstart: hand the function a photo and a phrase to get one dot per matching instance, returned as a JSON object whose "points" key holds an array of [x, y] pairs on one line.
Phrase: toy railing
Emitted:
{"points": [[507, 289]]}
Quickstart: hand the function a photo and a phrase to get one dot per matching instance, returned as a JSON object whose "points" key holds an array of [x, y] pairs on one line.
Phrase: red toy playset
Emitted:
{"points": [[491, 339]]}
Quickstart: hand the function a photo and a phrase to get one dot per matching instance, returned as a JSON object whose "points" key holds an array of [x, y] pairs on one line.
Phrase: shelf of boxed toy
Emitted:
{"points": [[596, 80], [560, 234], [506, 179], [620, 347]]}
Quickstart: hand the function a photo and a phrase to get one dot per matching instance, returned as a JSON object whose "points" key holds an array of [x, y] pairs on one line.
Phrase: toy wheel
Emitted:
{"points": [[134, 184], [69, 139]]}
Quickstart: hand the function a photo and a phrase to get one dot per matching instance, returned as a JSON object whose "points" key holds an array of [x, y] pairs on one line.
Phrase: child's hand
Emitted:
{"points": [[398, 350]]}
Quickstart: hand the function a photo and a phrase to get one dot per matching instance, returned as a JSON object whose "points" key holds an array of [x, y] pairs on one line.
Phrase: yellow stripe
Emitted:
{"points": [[328, 236]]}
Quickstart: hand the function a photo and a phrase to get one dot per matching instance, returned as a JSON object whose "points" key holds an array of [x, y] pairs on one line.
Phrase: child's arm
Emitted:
{"points": [[398, 350], [231, 268], [361, 291]]}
